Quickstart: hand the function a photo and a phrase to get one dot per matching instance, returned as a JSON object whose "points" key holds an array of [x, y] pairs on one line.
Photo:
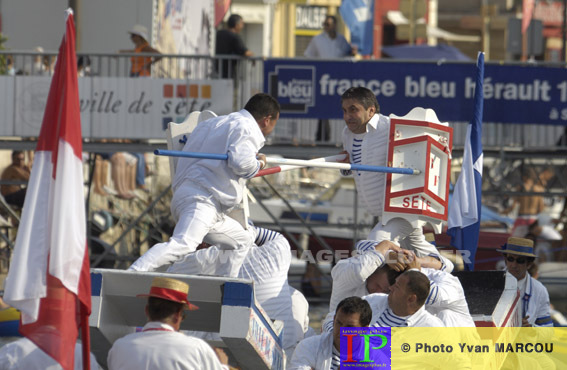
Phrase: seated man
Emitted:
{"points": [[519, 254], [322, 352], [405, 305], [160, 345], [267, 263], [15, 194]]}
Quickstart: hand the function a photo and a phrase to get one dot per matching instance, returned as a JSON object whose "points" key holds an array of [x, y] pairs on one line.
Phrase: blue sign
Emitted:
{"points": [[512, 94]]}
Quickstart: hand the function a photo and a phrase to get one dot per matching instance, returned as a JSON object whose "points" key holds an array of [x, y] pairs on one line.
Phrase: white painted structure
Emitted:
{"points": [[226, 306]]}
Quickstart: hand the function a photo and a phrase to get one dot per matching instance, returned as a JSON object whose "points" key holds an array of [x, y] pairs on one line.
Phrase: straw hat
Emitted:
{"points": [[139, 30], [518, 246], [171, 290]]}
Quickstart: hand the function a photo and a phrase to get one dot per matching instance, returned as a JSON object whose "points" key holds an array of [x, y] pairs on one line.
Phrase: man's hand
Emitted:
{"points": [[413, 261], [385, 245], [346, 159], [262, 159], [525, 323], [396, 260], [223, 358]]}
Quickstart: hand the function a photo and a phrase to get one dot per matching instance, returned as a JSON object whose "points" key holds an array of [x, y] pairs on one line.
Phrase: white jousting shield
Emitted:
{"points": [[418, 140]]}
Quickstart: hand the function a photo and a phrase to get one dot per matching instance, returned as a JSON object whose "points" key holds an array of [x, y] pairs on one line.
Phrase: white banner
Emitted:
{"points": [[129, 108]]}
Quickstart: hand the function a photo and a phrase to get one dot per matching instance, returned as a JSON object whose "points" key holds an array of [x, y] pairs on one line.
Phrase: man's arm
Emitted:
{"points": [[242, 152], [304, 356]]}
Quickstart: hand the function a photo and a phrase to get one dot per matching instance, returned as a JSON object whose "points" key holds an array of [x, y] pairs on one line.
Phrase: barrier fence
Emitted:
{"points": [[117, 106]]}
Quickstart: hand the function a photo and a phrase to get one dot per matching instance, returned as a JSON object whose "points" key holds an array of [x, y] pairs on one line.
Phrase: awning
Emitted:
{"points": [[397, 18], [425, 52]]}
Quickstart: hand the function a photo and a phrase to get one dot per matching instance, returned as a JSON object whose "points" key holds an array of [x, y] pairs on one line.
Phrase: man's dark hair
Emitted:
{"points": [[160, 309], [233, 20], [333, 18], [352, 305], [16, 153], [262, 105], [419, 285], [392, 274], [363, 96]]}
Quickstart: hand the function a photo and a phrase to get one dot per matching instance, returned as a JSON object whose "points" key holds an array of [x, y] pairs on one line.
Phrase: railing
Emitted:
{"points": [[247, 78]]}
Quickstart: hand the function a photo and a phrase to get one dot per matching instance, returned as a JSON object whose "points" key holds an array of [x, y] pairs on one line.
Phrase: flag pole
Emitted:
{"points": [[86, 337], [295, 162]]}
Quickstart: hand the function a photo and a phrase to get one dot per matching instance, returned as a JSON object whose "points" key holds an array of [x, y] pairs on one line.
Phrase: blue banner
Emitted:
{"points": [[512, 94], [359, 17]]}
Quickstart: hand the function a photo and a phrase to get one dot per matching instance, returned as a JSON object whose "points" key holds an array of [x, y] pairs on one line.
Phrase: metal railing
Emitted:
{"points": [[248, 77]]}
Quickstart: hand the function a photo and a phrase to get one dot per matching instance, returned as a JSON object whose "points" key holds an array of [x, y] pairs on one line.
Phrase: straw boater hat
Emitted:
{"points": [[171, 290], [518, 246], [140, 31]]}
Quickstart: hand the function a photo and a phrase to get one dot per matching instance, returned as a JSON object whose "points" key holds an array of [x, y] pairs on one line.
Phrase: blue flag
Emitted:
{"points": [[359, 17], [465, 205]]}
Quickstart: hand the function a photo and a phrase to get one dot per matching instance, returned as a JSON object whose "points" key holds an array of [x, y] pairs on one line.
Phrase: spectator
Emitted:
{"points": [[17, 171], [529, 206], [229, 42], [42, 65], [160, 345], [141, 65], [83, 66], [328, 44]]}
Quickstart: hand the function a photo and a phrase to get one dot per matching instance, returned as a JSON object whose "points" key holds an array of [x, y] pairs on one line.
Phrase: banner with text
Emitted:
{"points": [[134, 108], [512, 94]]}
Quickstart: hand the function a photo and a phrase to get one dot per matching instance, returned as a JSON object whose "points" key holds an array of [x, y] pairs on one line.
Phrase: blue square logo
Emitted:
{"points": [[366, 348]]}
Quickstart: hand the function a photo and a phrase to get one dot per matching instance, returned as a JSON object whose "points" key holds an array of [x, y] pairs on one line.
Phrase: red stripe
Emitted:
{"points": [[268, 171], [170, 294]]}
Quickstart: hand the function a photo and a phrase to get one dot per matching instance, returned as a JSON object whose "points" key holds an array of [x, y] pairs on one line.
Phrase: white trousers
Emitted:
{"points": [[198, 215], [400, 231]]}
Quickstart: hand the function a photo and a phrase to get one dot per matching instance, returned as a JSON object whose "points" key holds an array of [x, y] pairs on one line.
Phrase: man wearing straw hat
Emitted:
{"points": [[519, 256], [160, 345]]}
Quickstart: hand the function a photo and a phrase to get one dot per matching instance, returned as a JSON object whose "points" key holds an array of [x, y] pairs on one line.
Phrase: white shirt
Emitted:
{"points": [[267, 266], [379, 304], [159, 346], [313, 353], [322, 46], [374, 152], [25, 355], [237, 135], [447, 300], [349, 277], [534, 301]]}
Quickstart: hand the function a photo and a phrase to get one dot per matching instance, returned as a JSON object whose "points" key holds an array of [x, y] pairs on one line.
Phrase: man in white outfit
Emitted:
{"points": [[375, 268], [365, 141], [519, 256], [405, 305], [204, 190], [322, 352], [267, 263], [160, 345]]}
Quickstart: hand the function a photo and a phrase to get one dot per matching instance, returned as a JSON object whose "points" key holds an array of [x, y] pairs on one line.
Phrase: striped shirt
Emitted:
{"points": [[390, 319], [336, 359]]}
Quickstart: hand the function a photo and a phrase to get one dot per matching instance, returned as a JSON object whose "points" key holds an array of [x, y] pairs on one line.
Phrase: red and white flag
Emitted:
{"points": [[49, 280], [527, 12]]}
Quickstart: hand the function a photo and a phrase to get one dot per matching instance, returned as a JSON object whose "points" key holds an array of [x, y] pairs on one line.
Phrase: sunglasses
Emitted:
{"points": [[519, 260]]}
